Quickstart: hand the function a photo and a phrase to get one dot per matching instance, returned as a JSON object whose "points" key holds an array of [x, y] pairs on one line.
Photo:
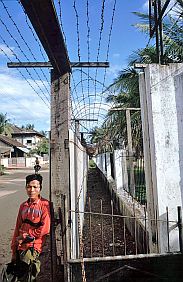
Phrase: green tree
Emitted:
{"points": [[125, 88], [41, 148], [29, 126], [44, 133], [4, 124]]}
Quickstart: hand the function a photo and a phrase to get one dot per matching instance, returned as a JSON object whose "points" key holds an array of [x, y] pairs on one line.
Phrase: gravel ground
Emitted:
{"points": [[108, 235]]}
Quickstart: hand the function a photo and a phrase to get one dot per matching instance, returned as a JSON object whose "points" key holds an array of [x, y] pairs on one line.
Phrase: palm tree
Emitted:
{"points": [[29, 126], [4, 124], [125, 87], [172, 32]]}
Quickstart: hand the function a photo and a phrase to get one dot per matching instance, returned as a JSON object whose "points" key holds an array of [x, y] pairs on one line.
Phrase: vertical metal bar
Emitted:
{"points": [[156, 30], [112, 218], [146, 237], [179, 210], [53, 244], [50, 151], [160, 32], [124, 235], [167, 227], [156, 226], [135, 228], [130, 149], [102, 226], [150, 18], [90, 223]]}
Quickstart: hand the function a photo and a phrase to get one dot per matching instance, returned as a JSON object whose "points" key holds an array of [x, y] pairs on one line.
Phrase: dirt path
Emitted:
{"points": [[108, 235]]}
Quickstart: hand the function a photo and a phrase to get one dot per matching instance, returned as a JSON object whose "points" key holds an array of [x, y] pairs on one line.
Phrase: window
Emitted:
{"points": [[29, 141]]}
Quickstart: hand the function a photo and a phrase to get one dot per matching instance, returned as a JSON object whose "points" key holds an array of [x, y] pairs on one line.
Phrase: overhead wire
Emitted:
{"points": [[21, 36], [32, 32], [78, 40], [12, 52], [108, 45], [61, 23], [18, 45], [99, 42], [88, 45]]}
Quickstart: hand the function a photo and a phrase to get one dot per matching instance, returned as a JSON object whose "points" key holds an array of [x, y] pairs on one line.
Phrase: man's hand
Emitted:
{"points": [[21, 238]]}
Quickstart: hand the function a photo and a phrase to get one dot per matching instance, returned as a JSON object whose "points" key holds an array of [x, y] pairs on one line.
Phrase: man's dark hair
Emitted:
{"points": [[32, 177]]}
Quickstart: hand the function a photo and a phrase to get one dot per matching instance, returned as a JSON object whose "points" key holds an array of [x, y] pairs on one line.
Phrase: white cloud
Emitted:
{"points": [[8, 51], [116, 55], [21, 103], [145, 6]]}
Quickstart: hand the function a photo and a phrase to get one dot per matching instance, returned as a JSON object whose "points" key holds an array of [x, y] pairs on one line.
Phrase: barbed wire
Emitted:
{"points": [[109, 41], [100, 37], [78, 41], [21, 36], [18, 45], [61, 23], [32, 32], [12, 52], [88, 44]]}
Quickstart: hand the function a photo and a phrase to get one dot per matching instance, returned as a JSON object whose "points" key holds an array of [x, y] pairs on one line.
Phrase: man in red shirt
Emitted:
{"points": [[32, 226]]}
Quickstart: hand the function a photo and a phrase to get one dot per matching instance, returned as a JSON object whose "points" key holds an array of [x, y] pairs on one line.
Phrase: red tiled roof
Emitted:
{"points": [[10, 141], [21, 131]]}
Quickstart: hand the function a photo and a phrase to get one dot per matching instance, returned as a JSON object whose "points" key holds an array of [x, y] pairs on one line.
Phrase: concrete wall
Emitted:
{"points": [[163, 120], [29, 162], [126, 205], [150, 268], [78, 188]]}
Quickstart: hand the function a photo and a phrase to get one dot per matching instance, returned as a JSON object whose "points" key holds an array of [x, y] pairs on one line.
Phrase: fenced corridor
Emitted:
{"points": [[129, 229], [104, 232], [108, 251]]}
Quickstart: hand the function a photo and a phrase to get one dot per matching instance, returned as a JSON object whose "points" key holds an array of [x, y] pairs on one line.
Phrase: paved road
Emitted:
{"points": [[12, 193]]}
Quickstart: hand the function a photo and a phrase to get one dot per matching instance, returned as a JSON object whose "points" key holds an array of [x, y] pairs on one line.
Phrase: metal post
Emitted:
{"points": [[130, 149], [53, 245], [157, 31], [76, 137], [160, 33], [179, 211]]}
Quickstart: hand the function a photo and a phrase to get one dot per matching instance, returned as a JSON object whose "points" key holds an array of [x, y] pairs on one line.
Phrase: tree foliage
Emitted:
{"points": [[124, 91], [41, 148], [4, 124]]}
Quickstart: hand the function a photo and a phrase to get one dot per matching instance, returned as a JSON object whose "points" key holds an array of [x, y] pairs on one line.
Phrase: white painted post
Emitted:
{"points": [[163, 90], [150, 194], [130, 149]]}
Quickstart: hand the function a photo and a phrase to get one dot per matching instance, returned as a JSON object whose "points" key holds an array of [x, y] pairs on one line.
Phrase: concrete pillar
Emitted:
{"points": [[60, 122], [118, 169], [108, 163], [59, 148], [162, 111]]}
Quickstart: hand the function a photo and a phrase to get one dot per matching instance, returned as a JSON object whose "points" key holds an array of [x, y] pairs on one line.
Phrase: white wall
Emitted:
{"points": [[29, 162], [78, 188], [164, 95]]}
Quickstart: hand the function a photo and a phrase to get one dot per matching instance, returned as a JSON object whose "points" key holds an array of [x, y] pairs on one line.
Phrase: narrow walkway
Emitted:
{"points": [[103, 235]]}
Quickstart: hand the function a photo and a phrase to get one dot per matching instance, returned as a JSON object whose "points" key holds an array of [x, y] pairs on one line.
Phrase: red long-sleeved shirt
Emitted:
{"points": [[37, 211]]}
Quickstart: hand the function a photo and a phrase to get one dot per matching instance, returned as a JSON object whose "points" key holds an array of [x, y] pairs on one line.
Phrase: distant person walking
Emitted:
{"points": [[32, 226], [37, 166]]}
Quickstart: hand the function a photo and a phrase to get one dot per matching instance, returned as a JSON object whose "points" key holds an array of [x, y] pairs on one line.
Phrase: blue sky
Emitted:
{"points": [[25, 96]]}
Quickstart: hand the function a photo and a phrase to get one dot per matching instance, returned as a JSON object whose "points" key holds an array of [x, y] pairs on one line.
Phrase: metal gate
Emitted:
{"points": [[107, 235]]}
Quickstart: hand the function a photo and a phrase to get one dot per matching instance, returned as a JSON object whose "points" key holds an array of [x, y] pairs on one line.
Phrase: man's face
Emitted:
{"points": [[33, 189]]}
